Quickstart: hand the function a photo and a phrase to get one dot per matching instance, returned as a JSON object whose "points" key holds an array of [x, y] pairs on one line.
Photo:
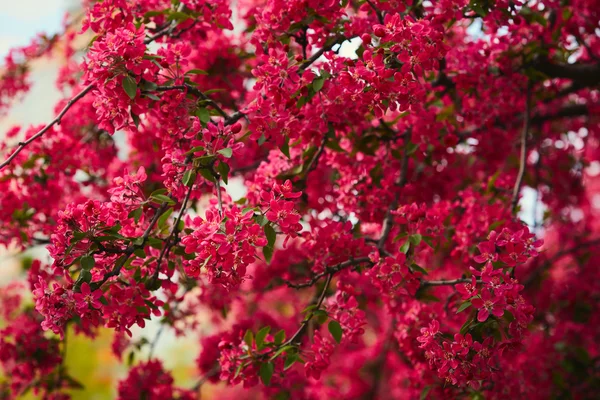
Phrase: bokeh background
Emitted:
{"points": [[91, 361]]}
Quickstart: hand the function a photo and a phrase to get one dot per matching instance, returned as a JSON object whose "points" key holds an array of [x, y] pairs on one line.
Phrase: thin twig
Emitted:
{"points": [[445, 282], [130, 250], [400, 182], [377, 12], [55, 121], [328, 271], [318, 304], [320, 52], [523, 157], [172, 239]]}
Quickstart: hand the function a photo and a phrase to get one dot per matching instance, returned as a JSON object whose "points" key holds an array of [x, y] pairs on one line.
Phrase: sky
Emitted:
{"points": [[21, 20]]}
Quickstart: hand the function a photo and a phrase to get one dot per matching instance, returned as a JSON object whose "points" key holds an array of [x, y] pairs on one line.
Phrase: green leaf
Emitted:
{"points": [[428, 241], [415, 239], [130, 86], [189, 177], [207, 174], [87, 262], [266, 372], [290, 360], [178, 16], [465, 328], [262, 139], [336, 330], [162, 221], [249, 338], [288, 348], [270, 247], [135, 214], [424, 392], [280, 337], [195, 149], [318, 83], [416, 267], [161, 198], [136, 120], [226, 152], [140, 253], [84, 276], [463, 306], [203, 114], [223, 170], [404, 248], [261, 220], [260, 337], [285, 147], [197, 72]]}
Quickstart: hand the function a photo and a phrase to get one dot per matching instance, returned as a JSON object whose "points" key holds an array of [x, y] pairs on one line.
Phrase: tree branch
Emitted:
{"points": [[523, 156], [587, 74], [400, 182], [55, 121]]}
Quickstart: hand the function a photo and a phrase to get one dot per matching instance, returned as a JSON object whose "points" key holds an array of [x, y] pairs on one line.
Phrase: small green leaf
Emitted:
{"points": [[318, 83], [130, 86], [428, 241], [270, 247], [261, 220], [197, 72], [280, 337], [285, 147], [223, 170], [336, 330], [424, 392], [162, 221], [288, 348], [415, 239], [266, 372], [404, 248], [260, 337], [189, 177], [226, 152], [87, 262], [161, 198], [203, 114], [140, 253], [249, 338], [290, 360], [416, 267], [465, 328], [135, 214], [463, 306]]}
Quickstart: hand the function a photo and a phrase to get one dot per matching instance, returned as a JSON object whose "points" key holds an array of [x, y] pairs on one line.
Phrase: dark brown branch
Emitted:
{"points": [[377, 11], [320, 52], [55, 121], [445, 282], [587, 74], [229, 119], [329, 270]]}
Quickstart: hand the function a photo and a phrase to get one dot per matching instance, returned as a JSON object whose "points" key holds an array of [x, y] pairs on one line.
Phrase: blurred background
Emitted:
{"points": [[89, 361]]}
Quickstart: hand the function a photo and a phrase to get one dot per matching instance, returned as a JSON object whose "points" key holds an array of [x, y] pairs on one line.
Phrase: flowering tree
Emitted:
{"points": [[378, 250]]}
